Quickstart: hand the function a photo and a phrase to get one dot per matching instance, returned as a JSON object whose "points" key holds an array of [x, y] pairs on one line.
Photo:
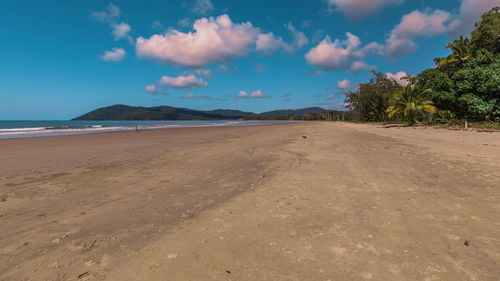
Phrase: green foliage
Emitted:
{"points": [[461, 52], [409, 101], [487, 33], [446, 115], [371, 99], [467, 82], [464, 85]]}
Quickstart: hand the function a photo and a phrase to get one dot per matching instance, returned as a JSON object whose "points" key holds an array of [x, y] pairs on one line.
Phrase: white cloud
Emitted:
{"points": [[355, 9], [412, 25], [470, 13], [215, 40], [110, 16], [182, 82], [398, 77], [194, 97], [152, 89], [202, 7], [344, 84], [329, 97], [299, 38], [253, 95], [116, 54], [120, 31], [338, 54], [107, 15], [268, 43]]}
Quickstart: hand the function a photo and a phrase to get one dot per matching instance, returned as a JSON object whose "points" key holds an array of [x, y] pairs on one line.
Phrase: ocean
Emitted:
{"points": [[22, 129]]}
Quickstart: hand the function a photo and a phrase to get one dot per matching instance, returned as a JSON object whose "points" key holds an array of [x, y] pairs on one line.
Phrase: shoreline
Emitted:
{"points": [[140, 125]]}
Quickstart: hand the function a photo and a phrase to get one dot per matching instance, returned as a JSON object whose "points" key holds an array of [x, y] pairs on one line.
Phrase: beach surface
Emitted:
{"points": [[302, 201]]}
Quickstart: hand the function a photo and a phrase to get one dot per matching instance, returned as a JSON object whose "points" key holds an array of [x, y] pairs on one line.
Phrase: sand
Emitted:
{"points": [[347, 202]]}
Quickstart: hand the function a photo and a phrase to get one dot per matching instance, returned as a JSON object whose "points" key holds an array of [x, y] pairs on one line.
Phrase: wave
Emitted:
{"points": [[73, 129]]}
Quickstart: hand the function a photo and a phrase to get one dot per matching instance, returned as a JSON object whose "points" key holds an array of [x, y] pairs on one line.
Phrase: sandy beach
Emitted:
{"points": [[303, 201]]}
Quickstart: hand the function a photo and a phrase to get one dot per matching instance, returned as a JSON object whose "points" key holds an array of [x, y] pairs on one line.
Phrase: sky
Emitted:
{"points": [[61, 59]]}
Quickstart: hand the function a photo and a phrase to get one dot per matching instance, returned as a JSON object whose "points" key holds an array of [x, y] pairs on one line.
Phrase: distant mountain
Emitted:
{"points": [[125, 112], [230, 113], [286, 112]]}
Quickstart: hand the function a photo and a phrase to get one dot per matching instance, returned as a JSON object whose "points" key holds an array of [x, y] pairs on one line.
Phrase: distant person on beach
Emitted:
{"points": [[137, 129]]}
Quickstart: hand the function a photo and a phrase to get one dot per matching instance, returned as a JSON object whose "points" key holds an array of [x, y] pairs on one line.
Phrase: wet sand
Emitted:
{"points": [[348, 202]]}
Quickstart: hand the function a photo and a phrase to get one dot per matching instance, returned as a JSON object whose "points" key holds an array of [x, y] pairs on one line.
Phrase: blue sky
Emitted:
{"points": [[60, 59]]}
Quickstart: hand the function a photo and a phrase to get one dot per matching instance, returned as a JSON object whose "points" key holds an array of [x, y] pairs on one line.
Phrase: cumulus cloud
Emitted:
{"points": [[329, 96], [400, 78], [346, 54], [215, 40], [202, 7], [412, 25], [110, 16], [355, 9], [268, 43], [121, 31], [299, 38], [470, 13], [194, 97], [344, 84], [116, 54], [182, 82], [253, 95], [154, 90], [107, 15]]}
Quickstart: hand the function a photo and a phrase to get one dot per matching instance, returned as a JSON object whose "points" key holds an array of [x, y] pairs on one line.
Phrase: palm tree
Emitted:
{"points": [[408, 101], [461, 52], [461, 48]]}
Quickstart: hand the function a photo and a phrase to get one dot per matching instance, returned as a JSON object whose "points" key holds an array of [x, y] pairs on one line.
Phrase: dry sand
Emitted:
{"points": [[348, 202]]}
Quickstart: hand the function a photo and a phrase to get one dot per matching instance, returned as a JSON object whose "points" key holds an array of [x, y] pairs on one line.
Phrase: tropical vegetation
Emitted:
{"points": [[465, 85], [410, 101]]}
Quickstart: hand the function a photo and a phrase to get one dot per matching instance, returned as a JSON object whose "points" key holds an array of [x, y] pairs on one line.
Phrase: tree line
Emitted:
{"points": [[462, 86]]}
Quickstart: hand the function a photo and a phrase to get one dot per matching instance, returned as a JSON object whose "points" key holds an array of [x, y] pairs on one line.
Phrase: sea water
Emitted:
{"points": [[21, 129]]}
